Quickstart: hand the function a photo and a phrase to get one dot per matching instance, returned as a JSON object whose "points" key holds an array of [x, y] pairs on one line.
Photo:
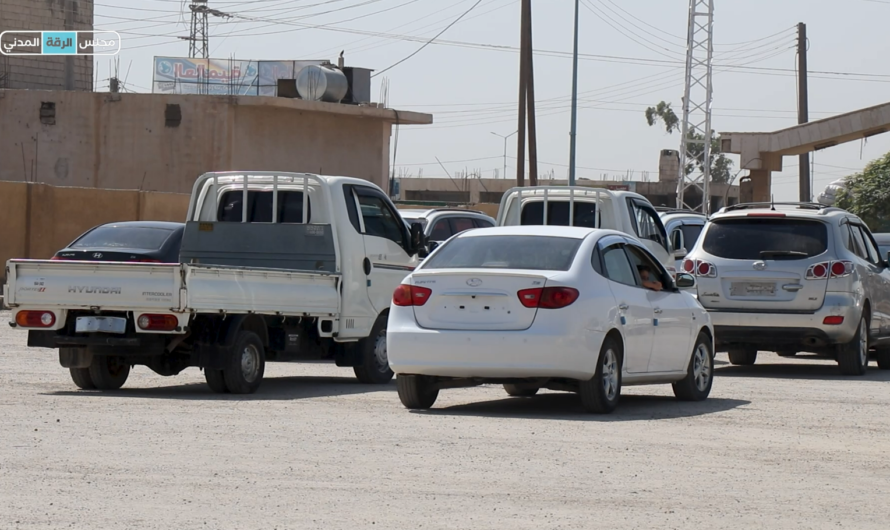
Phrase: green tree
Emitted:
{"points": [[720, 165], [867, 194]]}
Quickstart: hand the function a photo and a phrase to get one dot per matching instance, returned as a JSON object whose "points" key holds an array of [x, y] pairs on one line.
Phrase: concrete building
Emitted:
{"points": [[762, 152], [44, 71], [159, 142]]}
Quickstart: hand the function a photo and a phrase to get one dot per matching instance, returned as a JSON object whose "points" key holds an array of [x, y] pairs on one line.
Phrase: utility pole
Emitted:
{"points": [[803, 109], [505, 148], [530, 96], [523, 76], [198, 35], [696, 139], [574, 130]]}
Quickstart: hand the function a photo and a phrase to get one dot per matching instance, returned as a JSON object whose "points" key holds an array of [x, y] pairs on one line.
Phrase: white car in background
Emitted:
{"points": [[554, 307]]}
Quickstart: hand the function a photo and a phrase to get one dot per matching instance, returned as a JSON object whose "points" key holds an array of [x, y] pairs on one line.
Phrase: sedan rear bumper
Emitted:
{"points": [[493, 354]]}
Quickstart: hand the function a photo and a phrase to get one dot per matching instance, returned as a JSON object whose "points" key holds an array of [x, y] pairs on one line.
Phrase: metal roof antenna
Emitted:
{"points": [[772, 202]]}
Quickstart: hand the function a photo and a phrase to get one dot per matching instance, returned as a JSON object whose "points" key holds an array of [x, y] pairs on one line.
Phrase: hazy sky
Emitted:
{"points": [[633, 57]]}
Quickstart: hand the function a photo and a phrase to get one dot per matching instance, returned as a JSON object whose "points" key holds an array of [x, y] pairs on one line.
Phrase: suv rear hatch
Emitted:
{"points": [[760, 263]]}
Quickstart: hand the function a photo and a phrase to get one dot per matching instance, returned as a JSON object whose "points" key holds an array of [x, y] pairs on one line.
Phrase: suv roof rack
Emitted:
{"points": [[772, 206]]}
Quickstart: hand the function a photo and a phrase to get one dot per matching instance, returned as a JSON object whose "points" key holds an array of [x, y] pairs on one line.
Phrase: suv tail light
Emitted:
{"points": [[410, 295], [841, 269], [699, 268], [818, 271], [157, 322], [548, 297], [35, 319]]}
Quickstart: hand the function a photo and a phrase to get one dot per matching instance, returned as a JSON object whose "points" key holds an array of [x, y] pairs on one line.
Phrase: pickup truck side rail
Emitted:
{"points": [[208, 184], [546, 192]]}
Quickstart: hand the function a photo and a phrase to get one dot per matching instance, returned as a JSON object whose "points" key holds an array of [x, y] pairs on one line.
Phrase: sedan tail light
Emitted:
{"points": [[35, 319], [149, 261], [157, 322], [410, 295], [548, 297]]}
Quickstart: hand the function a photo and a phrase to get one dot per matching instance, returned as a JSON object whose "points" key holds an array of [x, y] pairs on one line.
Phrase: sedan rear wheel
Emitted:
{"points": [[600, 394]]}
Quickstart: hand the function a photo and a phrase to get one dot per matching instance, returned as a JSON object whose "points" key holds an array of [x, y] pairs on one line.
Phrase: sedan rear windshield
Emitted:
{"points": [[131, 237], [767, 238], [506, 252]]}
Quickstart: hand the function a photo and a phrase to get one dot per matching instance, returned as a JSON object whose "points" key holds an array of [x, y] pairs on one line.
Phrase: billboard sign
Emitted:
{"points": [[178, 75]]}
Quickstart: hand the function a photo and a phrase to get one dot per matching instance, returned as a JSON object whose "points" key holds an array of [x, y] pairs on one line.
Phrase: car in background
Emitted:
{"points": [[439, 224], [139, 241], [683, 228], [883, 241], [556, 307], [790, 277]]}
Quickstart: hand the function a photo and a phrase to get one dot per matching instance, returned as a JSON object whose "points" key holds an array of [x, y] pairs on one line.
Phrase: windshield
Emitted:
{"points": [[506, 252], [135, 237], [765, 238]]}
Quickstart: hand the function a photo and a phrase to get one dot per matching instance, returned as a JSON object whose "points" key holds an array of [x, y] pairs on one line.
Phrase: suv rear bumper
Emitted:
{"points": [[768, 331]]}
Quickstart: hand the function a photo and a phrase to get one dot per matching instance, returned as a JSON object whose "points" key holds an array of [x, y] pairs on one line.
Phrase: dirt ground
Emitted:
{"points": [[786, 443]]}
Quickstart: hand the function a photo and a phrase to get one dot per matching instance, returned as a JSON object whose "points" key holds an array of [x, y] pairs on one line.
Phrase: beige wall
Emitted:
{"points": [[121, 141], [46, 72], [39, 219]]}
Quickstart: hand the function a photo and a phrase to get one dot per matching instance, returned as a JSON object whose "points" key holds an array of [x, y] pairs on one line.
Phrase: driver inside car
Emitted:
{"points": [[646, 277]]}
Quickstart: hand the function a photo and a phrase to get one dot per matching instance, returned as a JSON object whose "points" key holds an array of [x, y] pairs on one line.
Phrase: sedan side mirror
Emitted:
{"points": [[417, 242], [685, 281], [680, 253]]}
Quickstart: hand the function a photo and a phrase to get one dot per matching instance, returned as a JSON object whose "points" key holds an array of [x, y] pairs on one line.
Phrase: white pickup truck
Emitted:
{"points": [[624, 211], [274, 267]]}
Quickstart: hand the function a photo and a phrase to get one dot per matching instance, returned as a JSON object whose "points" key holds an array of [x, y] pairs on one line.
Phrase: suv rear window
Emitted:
{"points": [[135, 237], [506, 252], [757, 239]]}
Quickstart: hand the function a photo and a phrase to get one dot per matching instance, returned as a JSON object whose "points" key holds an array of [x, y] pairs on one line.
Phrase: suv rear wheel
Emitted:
{"points": [[743, 357], [852, 357]]}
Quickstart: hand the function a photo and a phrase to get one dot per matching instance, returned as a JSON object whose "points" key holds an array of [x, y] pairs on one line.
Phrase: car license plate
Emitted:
{"points": [[115, 325], [752, 289]]}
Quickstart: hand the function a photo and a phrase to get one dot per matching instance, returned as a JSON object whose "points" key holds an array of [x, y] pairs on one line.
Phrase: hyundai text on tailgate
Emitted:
{"points": [[273, 266], [794, 277]]}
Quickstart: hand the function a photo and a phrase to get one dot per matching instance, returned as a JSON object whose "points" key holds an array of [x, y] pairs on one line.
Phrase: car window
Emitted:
{"points": [[379, 220], [134, 237], [505, 252], [873, 255], [616, 265], [640, 257], [858, 243], [647, 223], [690, 234], [584, 213], [259, 207], [441, 231], [884, 250], [482, 223], [757, 238], [459, 224]]}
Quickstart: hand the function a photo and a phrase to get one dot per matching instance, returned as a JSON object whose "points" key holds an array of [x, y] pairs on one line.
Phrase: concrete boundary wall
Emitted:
{"points": [[39, 219]]}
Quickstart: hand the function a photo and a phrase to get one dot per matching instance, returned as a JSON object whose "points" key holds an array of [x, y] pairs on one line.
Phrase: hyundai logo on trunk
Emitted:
{"points": [[474, 282], [97, 255], [759, 265]]}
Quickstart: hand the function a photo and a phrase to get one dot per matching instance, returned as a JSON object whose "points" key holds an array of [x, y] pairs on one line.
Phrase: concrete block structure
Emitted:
{"points": [[163, 142], [43, 71]]}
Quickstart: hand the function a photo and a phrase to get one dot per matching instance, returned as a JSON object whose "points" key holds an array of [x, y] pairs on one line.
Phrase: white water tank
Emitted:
{"points": [[322, 83]]}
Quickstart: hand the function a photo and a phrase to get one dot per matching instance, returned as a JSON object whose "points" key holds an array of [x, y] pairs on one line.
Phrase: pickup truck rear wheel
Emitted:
{"points": [[416, 391], [216, 380], [374, 369], [109, 372], [246, 364], [81, 378]]}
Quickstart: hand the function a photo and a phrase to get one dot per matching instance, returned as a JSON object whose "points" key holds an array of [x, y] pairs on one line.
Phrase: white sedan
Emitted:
{"points": [[554, 307]]}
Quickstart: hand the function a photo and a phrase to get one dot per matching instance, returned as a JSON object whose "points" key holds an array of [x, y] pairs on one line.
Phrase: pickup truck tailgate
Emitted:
{"points": [[265, 291], [82, 284]]}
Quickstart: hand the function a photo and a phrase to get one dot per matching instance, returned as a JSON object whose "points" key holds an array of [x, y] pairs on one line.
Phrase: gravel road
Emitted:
{"points": [[786, 443]]}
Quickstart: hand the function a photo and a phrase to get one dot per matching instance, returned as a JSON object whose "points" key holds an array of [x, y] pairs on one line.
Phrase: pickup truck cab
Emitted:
{"points": [[624, 211], [274, 266], [683, 228]]}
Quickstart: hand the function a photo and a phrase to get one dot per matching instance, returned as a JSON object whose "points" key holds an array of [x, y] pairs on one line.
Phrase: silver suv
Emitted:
{"points": [[683, 228], [794, 277], [439, 224]]}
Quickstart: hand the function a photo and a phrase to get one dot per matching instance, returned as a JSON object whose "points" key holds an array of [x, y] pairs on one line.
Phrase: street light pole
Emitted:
{"points": [[574, 103], [505, 148]]}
